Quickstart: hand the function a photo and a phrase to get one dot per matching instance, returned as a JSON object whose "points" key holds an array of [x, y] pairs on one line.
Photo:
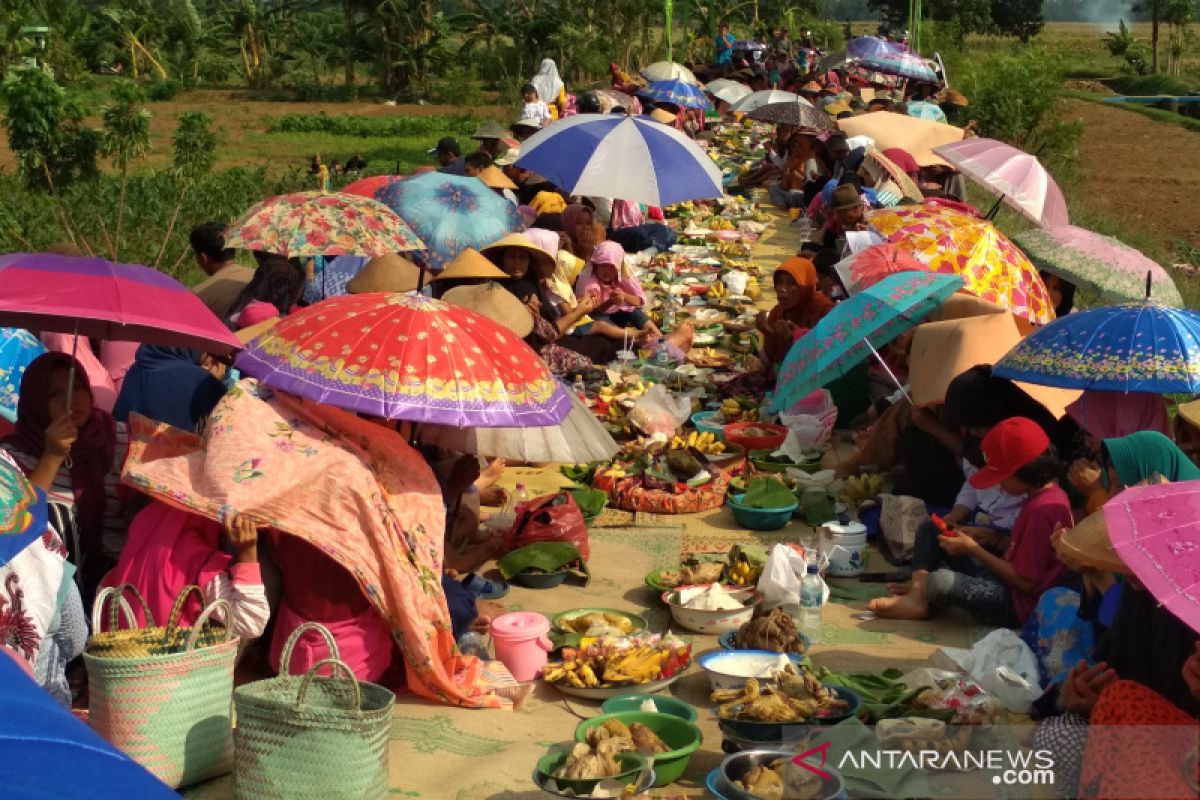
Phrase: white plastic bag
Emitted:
{"points": [[779, 583], [1004, 667], [735, 281], [659, 411]]}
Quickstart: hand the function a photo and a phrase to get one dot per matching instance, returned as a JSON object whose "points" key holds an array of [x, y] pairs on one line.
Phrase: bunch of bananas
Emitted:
{"points": [[615, 394], [640, 664], [753, 289], [706, 442], [742, 573], [718, 290], [733, 411], [733, 249], [721, 224], [575, 673], [857, 488]]}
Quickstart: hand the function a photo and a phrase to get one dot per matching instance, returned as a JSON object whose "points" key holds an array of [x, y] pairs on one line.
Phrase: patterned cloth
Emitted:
{"points": [[1057, 634], [364, 497]]}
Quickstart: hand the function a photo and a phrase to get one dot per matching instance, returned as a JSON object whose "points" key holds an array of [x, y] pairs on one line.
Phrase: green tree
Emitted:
{"points": [[193, 153], [1019, 18], [125, 138]]}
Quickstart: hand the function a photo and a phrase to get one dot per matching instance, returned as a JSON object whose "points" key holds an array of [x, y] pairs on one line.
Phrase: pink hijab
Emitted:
{"points": [[1107, 415]]}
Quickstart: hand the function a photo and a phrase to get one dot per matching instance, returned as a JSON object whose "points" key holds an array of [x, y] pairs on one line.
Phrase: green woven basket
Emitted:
{"points": [[150, 639], [171, 713], [301, 737]]}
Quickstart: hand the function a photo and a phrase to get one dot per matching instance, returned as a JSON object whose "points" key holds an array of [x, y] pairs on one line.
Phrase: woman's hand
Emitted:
{"points": [[242, 530], [986, 537], [60, 436], [1083, 686], [1191, 672], [1084, 475], [534, 305]]}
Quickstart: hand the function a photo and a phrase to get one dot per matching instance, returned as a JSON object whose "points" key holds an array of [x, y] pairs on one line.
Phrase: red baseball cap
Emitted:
{"points": [[1007, 447]]}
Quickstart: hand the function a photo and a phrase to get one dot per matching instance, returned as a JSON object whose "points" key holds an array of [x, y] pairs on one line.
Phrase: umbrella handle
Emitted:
{"points": [[1149, 281], [888, 370], [71, 372]]}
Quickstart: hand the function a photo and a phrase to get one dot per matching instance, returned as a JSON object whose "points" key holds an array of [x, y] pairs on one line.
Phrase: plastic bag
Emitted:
{"points": [[735, 281], [658, 411], [779, 583], [1004, 667]]}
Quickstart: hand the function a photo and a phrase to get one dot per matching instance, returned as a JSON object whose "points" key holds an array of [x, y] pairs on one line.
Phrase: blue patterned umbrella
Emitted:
{"points": [[18, 348], [849, 333], [630, 158], [1136, 347], [681, 93], [450, 213]]}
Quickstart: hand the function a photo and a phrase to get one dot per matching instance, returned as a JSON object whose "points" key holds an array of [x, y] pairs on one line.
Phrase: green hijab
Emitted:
{"points": [[1140, 455]]}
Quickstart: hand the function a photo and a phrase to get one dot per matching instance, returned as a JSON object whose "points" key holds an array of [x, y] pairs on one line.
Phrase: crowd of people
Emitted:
{"points": [[1001, 479]]}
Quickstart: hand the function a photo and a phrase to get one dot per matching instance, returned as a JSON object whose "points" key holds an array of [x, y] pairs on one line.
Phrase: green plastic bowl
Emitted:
{"points": [[760, 519], [664, 703], [681, 736], [631, 765]]}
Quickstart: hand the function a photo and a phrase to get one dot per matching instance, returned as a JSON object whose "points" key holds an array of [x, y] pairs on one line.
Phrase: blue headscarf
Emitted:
{"points": [[167, 384]]}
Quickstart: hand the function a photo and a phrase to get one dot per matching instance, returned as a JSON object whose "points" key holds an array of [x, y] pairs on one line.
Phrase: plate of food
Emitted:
{"points": [[773, 630], [766, 709], [690, 573], [598, 622], [610, 666], [708, 357]]}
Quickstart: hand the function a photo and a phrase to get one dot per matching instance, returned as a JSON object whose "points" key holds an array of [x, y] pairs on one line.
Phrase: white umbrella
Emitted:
{"points": [[727, 90], [1016, 177], [630, 158], [764, 96], [669, 71], [578, 439]]}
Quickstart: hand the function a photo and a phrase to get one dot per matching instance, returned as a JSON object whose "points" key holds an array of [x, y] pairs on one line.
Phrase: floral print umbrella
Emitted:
{"points": [[408, 357], [321, 224], [1137, 347], [1106, 266], [952, 242], [18, 349], [800, 114], [450, 213]]}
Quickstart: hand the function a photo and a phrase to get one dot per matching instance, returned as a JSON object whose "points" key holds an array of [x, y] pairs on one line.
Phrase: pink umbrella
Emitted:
{"points": [[1017, 177], [104, 300], [1155, 529], [876, 263]]}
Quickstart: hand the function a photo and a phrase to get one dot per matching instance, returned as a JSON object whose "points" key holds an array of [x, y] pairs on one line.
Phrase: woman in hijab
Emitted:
{"points": [[550, 87], [580, 224], [800, 307], [1110, 415], [1062, 293], [167, 384], [74, 454]]}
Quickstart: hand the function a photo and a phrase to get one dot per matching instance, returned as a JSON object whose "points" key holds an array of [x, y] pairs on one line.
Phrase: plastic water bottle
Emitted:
{"points": [[579, 388], [663, 357], [812, 593], [521, 495], [474, 643]]}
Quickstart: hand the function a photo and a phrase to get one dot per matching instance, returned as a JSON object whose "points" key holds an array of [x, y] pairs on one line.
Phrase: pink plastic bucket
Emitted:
{"points": [[521, 643]]}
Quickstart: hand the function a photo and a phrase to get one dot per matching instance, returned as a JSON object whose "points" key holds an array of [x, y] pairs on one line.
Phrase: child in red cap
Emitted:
{"points": [[1000, 590]]}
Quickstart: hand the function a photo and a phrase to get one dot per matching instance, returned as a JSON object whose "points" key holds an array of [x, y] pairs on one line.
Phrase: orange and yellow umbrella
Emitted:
{"points": [[955, 243]]}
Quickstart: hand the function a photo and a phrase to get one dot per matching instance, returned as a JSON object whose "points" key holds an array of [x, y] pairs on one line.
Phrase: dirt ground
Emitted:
{"points": [[1141, 172]]}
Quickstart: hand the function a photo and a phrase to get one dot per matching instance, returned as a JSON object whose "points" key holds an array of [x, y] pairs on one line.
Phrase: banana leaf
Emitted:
{"points": [[581, 474], [546, 556], [590, 501], [767, 493]]}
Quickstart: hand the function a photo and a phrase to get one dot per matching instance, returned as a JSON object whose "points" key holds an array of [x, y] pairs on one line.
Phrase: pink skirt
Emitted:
{"points": [[363, 643]]}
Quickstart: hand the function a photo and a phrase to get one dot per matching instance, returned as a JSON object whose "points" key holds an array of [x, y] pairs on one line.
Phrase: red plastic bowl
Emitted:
{"points": [[734, 435]]}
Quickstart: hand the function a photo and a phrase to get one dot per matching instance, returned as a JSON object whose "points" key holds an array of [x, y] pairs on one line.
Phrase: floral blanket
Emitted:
{"points": [[361, 495]]}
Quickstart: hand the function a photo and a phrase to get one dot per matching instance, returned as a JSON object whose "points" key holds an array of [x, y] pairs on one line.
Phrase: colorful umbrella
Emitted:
{"points": [[923, 109], [681, 93], [802, 115], [18, 349], [321, 224], [1106, 266], [104, 300], [669, 71], [1013, 175], [890, 59], [727, 90], [22, 511], [1137, 347], [917, 136], [450, 213], [764, 97], [872, 265], [951, 242], [856, 327], [630, 158], [367, 187], [578, 439], [1155, 529], [408, 357]]}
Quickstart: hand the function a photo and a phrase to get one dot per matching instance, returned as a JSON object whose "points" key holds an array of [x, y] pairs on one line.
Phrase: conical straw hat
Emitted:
{"points": [[470, 263], [496, 303], [390, 273]]}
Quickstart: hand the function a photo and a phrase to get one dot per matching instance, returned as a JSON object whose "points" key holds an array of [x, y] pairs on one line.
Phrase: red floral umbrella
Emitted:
{"points": [[408, 357], [876, 263], [367, 187], [322, 224]]}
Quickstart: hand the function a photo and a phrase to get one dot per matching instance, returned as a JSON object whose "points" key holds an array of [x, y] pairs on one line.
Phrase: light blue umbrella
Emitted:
{"points": [[628, 158], [681, 93], [18, 349], [450, 213], [1135, 347], [923, 109], [856, 328]]}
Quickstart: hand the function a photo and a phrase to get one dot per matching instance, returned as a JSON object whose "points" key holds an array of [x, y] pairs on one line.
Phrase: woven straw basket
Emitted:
{"points": [[151, 639], [171, 712], [301, 737]]}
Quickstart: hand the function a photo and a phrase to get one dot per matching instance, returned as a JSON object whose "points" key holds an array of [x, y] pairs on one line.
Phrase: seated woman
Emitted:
{"points": [[1128, 460], [998, 589], [799, 307], [615, 294], [579, 223], [277, 280], [1062, 293], [170, 549], [74, 454], [1110, 415], [167, 384]]}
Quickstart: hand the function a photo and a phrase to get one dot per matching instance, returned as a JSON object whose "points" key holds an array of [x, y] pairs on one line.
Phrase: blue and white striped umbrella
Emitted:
{"points": [[627, 158], [681, 93], [923, 109]]}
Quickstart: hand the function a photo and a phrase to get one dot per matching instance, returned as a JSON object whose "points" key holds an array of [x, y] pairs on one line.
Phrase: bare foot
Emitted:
{"points": [[491, 474], [906, 606], [898, 589], [494, 496]]}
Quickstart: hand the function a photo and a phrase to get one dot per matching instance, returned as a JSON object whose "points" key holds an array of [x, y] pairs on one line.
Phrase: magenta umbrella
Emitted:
{"points": [[1016, 177], [99, 298], [1155, 530]]}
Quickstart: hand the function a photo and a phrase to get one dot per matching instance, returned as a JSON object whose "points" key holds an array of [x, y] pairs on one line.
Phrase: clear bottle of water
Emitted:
{"points": [[812, 592], [474, 643], [662, 356], [579, 388], [520, 495]]}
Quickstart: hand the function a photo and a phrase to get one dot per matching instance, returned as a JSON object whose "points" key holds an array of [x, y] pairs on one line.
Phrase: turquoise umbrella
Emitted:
{"points": [[855, 328], [449, 213]]}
